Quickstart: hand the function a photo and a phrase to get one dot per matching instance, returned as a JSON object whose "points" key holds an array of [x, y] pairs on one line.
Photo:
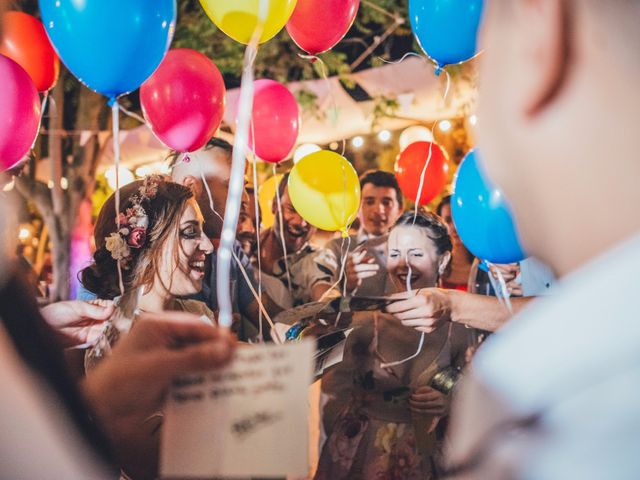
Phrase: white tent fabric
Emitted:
{"points": [[412, 82]]}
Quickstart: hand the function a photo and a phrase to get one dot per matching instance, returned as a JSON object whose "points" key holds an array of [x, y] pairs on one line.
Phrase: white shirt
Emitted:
{"points": [[575, 358]]}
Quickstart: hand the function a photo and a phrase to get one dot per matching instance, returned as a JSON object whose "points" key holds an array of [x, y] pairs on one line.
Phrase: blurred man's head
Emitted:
{"points": [[558, 93], [296, 230], [213, 161], [381, 202]]}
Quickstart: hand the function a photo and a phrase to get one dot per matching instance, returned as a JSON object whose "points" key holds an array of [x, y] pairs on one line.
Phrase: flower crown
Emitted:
{"points": [[133, 224]]}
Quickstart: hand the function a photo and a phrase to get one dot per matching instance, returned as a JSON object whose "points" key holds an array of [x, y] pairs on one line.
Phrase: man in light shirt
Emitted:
{"points": [[555, 394], [365, 272]]}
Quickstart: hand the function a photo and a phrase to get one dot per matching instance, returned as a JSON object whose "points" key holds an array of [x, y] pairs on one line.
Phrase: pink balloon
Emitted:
{"points": [[317, 25], [20, 113], [275, 119], [183, 100]]}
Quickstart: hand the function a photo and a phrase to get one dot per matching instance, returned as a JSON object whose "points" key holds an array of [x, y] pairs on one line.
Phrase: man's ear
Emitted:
{"points": [[193, 183], [544, 48]]}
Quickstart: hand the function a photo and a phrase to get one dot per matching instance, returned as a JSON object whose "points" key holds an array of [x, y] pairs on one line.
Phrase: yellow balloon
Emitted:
{"points": [[325, 190], [238, 18], [266, 195]]}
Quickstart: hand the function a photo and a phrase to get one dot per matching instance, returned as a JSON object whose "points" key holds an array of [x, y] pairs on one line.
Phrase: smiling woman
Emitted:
{"points": [[152, 252], [158, 242]]}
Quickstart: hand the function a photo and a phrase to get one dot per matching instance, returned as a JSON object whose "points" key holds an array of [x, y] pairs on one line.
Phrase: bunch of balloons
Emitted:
{"points": [[482, 215], [28, 65], [446, 29]]}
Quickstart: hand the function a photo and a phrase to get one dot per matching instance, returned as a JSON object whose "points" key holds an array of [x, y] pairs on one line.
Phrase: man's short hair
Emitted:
{"points": [[215, 142], [380, 178], [446, 200]]}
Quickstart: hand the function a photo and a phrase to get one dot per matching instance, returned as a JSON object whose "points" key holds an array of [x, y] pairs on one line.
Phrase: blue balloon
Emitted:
{"points": [[446, 29], [482, 215], [112, 46]]}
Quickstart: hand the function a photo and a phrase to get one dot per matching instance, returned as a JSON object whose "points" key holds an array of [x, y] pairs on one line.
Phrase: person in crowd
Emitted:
{"points": [[148, 257], [207, 173], [86, 430], [384, 423], [286, 254], [365, 270], [457, 275], [555, 394]]}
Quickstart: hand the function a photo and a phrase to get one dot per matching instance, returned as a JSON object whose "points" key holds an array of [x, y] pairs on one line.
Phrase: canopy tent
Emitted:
{"points": [[412, 83]]}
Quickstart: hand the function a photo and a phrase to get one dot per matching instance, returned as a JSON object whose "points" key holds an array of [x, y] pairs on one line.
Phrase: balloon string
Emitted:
{"points": [[422, 336], [115, 123], [437, 68], [499, 285], [422, 179], [133, 115], [331, 91], [258, 297], [256, 206], [236, 181], [281, 229], [262, 309]]}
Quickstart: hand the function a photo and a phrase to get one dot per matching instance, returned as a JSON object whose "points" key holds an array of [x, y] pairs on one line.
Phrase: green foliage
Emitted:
{"points": [[280, 58]]}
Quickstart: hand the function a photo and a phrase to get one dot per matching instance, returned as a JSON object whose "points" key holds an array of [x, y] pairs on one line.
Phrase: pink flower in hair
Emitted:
{"points": [[137, 237]]}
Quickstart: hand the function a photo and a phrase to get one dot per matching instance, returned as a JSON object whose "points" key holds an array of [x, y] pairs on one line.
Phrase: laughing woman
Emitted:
{"points": [[386, 425], [158, 241], [161, 248]]}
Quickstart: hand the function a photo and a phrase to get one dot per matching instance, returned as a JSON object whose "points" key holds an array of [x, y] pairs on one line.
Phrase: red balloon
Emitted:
{"points": [[275, 121], [25, 41], [183, 100], [410, 164], [20, 118], [317, 25]]}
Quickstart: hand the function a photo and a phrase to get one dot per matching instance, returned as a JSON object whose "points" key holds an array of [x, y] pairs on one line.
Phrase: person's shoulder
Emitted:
{"points": [[562, 339], [194, 306]]}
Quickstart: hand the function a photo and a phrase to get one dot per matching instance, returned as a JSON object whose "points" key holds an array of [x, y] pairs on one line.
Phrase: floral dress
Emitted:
{"points": [[374, 435]]}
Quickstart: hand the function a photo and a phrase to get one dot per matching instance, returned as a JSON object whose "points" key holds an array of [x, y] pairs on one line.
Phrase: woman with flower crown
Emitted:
{"points": [[146, 257], [149, 255]]}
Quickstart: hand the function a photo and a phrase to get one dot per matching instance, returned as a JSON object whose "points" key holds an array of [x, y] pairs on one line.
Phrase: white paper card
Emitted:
{"points": [[248, 419]]}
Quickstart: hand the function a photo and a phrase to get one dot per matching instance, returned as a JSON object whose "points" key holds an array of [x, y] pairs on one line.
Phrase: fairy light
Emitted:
{"points": [[473, 120], [444, 125], [384, 136], [357, 141]]}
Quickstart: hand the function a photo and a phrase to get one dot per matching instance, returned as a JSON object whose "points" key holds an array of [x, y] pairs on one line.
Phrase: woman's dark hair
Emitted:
{"points": [[434, 225], [163, 210]]}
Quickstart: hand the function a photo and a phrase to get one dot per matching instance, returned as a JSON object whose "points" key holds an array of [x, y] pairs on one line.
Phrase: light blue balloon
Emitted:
{"points": [[112, 46], [482, 215], [446, 29]]}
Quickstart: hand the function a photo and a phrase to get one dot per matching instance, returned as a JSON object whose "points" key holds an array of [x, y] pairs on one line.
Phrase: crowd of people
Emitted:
{"points": [[553, 394]]}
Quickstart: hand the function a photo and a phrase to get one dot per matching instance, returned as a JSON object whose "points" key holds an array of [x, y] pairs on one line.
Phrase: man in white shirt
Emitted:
{"points": [[366, 266], [555, 394]]}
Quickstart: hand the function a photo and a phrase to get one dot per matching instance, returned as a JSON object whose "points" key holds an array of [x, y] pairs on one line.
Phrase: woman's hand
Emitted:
{"points": [[428, 401], [425, 310], [77, 322]]}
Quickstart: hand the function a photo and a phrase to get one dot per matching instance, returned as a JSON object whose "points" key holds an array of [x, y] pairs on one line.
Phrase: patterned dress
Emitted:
{"points": [[372, 434]]}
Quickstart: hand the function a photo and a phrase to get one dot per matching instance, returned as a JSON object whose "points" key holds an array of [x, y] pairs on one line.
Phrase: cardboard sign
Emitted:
{"points": [[248, 419]]}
